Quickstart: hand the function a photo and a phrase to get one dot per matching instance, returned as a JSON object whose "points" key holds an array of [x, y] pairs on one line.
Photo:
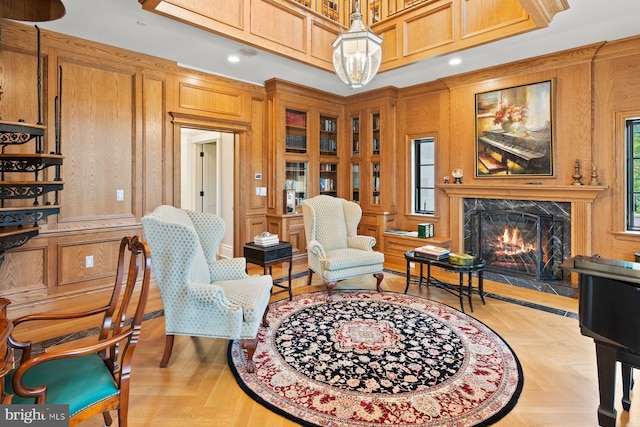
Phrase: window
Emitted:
{"points": [[633, 174], [423, 164]]}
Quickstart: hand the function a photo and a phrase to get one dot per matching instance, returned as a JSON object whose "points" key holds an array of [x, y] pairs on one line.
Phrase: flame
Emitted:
{"points": [[512, 242]]}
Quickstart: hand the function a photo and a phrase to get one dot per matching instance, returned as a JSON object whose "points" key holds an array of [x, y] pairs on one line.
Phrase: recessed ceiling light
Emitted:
{"points": [[455, 61], [233, 58]]}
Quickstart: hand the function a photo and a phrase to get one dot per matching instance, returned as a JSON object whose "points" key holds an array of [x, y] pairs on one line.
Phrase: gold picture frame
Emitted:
{"points": [[514, 131]]}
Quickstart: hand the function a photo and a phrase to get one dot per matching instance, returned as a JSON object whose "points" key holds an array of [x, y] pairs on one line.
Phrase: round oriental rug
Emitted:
{"points": [[372, 359]]}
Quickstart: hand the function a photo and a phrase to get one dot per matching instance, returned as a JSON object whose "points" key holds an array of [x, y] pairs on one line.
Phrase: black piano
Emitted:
{"points": [[609, 312]]}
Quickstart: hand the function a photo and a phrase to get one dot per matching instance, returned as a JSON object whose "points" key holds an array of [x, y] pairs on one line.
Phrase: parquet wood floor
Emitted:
{"points": [[198, 389]]}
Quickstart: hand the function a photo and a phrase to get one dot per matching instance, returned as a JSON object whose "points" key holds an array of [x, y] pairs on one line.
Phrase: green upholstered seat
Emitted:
{"points": [[78, 382]]}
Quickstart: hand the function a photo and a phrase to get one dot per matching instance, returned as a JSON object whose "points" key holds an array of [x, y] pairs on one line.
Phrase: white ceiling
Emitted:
{"points": [[123, 23]]}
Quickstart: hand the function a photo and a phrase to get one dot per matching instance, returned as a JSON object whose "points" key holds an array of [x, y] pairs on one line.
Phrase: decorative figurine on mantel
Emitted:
{"points": [[576, 175], [457, 175], [594, 176]]}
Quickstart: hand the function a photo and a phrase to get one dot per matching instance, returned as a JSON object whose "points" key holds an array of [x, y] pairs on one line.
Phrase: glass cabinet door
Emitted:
{"points": [[355, 136], [328, 179], [375, 184], [296, 132], [296, 179], [355, 182], [375, 140], [328, 136]]}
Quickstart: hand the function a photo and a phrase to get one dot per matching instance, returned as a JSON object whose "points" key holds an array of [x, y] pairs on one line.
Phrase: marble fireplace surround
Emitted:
{"points": [[580, 197]]}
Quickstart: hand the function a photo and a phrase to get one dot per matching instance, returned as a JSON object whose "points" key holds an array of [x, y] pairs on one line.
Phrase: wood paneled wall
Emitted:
{"points": [[120, 113], [596, 88], [616, 97]]}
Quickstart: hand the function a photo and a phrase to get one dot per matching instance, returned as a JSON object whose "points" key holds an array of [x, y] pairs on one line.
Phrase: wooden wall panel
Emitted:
{"points": [[428, 30], [485, 15], [291, 30], [18, 79], [229, 12], [257, 155], [210, 100], [97, 125], [154, 143], [19, 101], [391, 45], [616, 98], [256, 224], [72, 256], [24, 271], [322, 38]]}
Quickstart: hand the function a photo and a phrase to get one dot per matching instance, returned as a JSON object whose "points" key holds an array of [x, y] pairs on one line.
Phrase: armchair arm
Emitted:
{"points": [[317, 249], [361, 242], [209, 294], [228, 269], [25, 346], [212, 297]]}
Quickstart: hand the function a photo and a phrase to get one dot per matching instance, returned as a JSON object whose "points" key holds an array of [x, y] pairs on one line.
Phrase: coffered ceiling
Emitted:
{"points": [[123, 23]]}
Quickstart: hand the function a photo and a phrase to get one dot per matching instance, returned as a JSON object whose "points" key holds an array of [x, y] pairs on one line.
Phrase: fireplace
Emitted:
{"points": [[519, 243], [570, 204], [523, 239]]}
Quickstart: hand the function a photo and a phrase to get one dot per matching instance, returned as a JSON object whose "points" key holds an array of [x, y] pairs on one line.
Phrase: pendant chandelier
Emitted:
{"points": [[357, 53]]}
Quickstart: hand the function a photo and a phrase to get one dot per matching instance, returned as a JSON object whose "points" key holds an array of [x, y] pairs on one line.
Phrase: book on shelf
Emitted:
{"points": [[269, 240], [432, 252], [425, 230]]}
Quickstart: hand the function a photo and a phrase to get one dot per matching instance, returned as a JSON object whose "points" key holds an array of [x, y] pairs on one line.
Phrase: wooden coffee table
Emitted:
{"points": [[458, 290]]}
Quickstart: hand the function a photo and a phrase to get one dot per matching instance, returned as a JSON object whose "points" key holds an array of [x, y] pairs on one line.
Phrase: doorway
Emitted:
{"points": [[207, 170]]}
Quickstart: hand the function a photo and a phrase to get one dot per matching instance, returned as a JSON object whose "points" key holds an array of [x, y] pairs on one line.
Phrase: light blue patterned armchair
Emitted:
{"points": [[334, 249], [202, 295]]}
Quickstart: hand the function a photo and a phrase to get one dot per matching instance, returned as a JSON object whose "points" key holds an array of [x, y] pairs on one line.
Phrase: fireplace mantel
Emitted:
{"points": [[563, 193], [581, 198]]}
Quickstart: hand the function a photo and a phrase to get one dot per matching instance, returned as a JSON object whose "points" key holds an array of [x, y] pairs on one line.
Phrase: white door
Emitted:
{"points": [[207, 171], [209, 178]]}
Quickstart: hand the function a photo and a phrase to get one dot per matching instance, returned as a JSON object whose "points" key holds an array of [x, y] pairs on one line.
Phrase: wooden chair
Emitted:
{"points": [[92, 378]]}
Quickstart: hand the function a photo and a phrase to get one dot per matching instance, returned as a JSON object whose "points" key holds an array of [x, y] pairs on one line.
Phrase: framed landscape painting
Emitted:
{"points": [[514, 131]]}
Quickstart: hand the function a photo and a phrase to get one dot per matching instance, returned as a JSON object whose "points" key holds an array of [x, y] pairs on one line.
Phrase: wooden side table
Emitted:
{"points": [[459, 291], [266, 256]]}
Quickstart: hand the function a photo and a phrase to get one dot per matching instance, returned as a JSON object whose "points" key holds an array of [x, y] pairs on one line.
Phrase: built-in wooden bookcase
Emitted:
{"points": [[305, 146], [373, 159]]}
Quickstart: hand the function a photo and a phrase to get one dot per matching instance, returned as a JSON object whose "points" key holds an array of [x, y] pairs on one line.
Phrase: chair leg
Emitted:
{"points": [[329, 286], [309, 277], [250, 346], [107, 418], [379, 277], [265, 322], [168, 346]]}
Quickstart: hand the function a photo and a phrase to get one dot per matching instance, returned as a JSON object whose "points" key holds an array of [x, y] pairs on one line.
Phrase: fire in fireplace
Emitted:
{"points": [[520, 243]]}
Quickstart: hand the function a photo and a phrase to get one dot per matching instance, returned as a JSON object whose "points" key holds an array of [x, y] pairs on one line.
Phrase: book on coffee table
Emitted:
{"points": [[432, 252]]}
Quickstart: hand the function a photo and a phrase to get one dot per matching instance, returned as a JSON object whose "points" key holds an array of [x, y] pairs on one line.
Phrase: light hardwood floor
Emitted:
{"points": [[198, 389]]}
